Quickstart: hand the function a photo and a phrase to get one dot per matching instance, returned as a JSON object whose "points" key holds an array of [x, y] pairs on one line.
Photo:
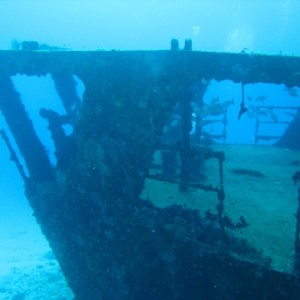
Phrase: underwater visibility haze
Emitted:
{"points": [[149, 150]]}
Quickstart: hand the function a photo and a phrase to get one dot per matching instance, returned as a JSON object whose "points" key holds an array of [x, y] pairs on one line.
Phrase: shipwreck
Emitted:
{"points": [[110, 241]]}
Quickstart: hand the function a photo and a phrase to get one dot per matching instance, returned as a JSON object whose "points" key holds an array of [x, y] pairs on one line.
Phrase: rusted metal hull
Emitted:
{"points": [[110, 243]]}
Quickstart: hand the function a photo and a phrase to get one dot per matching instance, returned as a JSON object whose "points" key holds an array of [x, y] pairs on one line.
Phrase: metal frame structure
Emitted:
{"points": [[110, 243]]}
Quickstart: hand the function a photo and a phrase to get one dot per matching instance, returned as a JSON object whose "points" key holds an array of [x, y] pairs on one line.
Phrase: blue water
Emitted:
{"points": [[268, 27]]}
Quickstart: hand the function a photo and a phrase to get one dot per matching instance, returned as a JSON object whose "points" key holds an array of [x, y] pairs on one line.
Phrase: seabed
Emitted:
{"points": [[269, 204]]}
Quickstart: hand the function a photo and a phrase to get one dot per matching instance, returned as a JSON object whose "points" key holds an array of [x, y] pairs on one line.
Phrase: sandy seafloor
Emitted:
{"points": [[268, 204], [29, 271]]}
